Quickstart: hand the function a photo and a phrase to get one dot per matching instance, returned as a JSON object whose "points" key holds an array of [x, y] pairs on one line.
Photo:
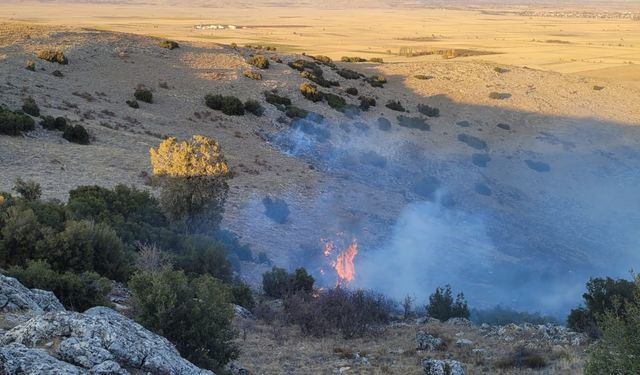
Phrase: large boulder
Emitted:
{"points": [[15, 298], [18, 359], [101, 341], [425, 341], [442, 367]]}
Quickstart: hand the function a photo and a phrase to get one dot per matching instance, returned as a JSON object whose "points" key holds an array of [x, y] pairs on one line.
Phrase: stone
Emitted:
{"points": [[15, 297], [425, 341], [463, 322], [17, 359], [464, 343], [442, 367]]}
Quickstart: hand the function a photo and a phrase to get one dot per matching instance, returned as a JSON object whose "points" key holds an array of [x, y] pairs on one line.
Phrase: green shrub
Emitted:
{"points": [[395, 105], [169, 44], [335, 101], [253, 75], [259, 62], [296, 112], [278, 283], [310, 92], [428, 111], [202, 255], [241, 295], [144, 95], [14, 123], [229, 105], [30, 65], [352, 59], [76, 134], [133, 104], [598, 88], [57, 73], [603, 295], [352, 91], [499, 95], [29, 190], [376, 81], [53, 56], [326, 60], [348, 74], [618, 350], [500, 70], [75, 291], [366, 102], [193, 313], [51, 123], [30, 107], [319, 79], [442, 306], [280, 102], [376, 60], [254, 107]]}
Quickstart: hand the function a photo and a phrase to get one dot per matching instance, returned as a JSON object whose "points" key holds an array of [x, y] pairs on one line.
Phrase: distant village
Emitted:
{"points": [[218, 27]]}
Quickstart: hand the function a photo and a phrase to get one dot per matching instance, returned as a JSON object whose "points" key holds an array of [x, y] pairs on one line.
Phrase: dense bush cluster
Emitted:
{"points": [[53, 123], [349, 74], [312, 71], [500, 316], [76, 134], [169, 44], [254, 107], [366, 102], [442, 306], [335, 101], [395, 105], [14, 123], [310, 92], [229, 105], [53, 56], [259, 62], [376, 60], [377, 81], [413, 123], [278, 283]]}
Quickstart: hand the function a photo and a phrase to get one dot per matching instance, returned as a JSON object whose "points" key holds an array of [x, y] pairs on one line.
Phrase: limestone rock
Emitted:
{"points": [[425, 341], [15, 297], [17, 359], [442, 367]]}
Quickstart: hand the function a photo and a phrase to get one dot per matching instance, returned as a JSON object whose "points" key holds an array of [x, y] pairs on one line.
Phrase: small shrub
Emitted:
{"points": [[253, 75], [395, 105], [310, 92], [29, 190], [428, 111], [348, 74], [254, 107], [352, 91], [295, 112], [30, 107], [500, 70], [366, 102], [76, 134], [499, 95], [413, 123], [14, 123], [57, 73], [376, 60], [229, 105], [326, 60], [143, 95], [598, 88], [30, 65], [169, 44], [423, 77], [241, 295], [53, 56], [51, 123], [522, 358], [133, 104], [376, 81], [335, 101], [259, 62], [352, 59]]}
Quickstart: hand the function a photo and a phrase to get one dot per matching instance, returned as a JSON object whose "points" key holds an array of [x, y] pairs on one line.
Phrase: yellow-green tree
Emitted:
{"points": [[193, 176]]}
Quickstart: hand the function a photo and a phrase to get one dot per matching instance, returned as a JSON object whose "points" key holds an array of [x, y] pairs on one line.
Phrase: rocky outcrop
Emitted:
{"points": [[16, 298], [100, 339], [553, 334], [442, 367], [462, 322], [425, 341], [47, 339]]}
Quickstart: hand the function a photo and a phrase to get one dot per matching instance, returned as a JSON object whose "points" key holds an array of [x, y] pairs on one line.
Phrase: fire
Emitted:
{"points": [[343, 263]]}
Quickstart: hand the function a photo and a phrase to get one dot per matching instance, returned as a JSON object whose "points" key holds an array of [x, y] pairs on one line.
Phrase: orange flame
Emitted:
{"points": [[343, 264]]}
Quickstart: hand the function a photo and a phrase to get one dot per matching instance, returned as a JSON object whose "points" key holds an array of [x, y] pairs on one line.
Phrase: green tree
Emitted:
{"points": [[29, 190], [442, 306], [278, 283], [603, 294], [618, 351], [23, 237], [193, 313]]}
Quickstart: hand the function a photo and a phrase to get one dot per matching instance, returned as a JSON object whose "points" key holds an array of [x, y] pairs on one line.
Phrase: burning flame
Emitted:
{"points": [[343, 263]]}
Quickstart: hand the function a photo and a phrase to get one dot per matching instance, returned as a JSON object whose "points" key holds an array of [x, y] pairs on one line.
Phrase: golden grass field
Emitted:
{"points": [[599, 48]]}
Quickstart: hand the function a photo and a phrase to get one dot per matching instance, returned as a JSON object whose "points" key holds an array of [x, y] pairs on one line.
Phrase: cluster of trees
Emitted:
{"points": [[182, 290]]}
